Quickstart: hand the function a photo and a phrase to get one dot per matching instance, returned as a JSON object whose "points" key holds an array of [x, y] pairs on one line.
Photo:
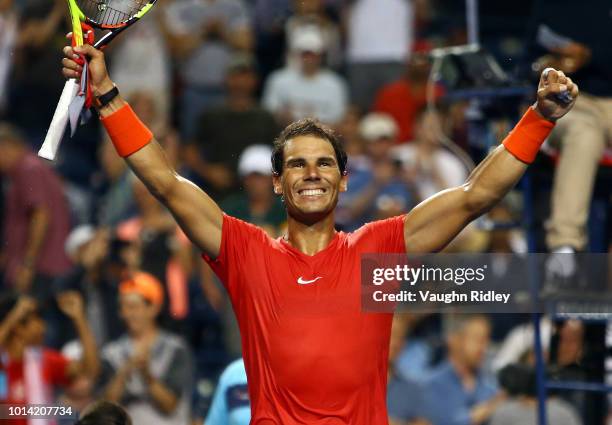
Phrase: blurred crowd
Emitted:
{"points": [[98, 273]]}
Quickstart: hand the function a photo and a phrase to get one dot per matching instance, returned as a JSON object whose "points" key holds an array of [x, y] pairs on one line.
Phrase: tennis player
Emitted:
{"points": [[311, 355]]}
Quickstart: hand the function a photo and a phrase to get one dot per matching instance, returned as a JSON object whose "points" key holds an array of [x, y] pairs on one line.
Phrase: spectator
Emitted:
{"points": [[41, 33], [147, 370], [584, 134], [212, 155], [115, 198], [377, 188], [380, 34], [404, 395], [33, 371], [104, 413], [146, 104], [96, 278], [231, 404], [36, 220], [430, 166], [519, 344], [309, 13], [310, 90], [161, 249], [404, 98], [521, 408], [145, 52], [203, 35], [257, 203], [269, 17], [469, 395], [80, 391]]}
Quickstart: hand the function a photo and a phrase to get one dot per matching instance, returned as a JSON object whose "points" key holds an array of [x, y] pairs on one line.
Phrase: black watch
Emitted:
{"points": [[107, 97]]}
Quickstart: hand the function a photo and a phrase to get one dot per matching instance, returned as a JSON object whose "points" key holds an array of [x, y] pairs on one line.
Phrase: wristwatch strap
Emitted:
{"points": [[107, 97]]}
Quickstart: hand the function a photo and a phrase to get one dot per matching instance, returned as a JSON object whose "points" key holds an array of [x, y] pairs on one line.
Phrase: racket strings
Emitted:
{"points": [[110, 12]]}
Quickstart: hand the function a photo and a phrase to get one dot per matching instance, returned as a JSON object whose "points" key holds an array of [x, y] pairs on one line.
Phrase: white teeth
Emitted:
{"points": [[311, 192]]}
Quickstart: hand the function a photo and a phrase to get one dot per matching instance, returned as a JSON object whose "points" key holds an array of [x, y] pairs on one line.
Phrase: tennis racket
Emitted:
{"points": [[111, 15]]}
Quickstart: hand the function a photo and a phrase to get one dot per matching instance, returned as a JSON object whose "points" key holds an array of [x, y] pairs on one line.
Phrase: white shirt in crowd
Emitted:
{"points": [[323, 96], [380, 30], [206, 65], [141, 62], [449, 168]]}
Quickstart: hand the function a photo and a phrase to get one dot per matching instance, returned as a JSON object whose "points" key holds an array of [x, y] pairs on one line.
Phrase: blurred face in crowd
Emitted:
{"points": [[31, 330], [241, 82], [428, 129], [378, 150], [311, 180], [469, 344], [310, 62], [257, 186], [418, 67], [138, 314]]}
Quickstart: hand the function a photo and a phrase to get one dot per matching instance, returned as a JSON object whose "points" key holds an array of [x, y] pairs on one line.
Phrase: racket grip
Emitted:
{"points": [[49, 148]]}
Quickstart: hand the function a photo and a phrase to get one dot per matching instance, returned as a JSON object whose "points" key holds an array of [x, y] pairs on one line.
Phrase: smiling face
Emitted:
{"points": [[311, 179]]}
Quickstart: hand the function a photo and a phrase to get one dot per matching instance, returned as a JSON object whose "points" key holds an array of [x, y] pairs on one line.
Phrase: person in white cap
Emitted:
{"points": [[256, 203], [377, 189], [308, 90]]}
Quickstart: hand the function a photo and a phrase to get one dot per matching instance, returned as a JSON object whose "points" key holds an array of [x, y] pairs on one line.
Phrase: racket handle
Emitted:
{"points": [[49, 148]]}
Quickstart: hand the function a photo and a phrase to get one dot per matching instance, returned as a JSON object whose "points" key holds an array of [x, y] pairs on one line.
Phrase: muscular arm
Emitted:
{"points": [[435, 222], [197, 214], [432, 224]]}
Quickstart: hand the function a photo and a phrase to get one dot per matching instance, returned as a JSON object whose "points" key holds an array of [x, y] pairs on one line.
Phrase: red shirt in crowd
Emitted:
{"points": [[311, 355], [54, 373], [400, 100], [34, 184]]}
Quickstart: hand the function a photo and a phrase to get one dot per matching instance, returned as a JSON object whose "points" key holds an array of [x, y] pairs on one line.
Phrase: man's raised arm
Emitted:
{"points": [[431, 225], [197, 214]]}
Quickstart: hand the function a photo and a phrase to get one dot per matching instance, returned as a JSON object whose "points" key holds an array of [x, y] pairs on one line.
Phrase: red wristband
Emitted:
{"points": [[525, 139], [126, 131]]}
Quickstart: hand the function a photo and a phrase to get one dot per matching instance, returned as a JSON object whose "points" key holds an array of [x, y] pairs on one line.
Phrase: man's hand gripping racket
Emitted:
{"points": [[112, 15]]}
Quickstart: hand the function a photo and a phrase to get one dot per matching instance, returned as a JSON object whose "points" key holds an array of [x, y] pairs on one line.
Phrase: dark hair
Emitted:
{"points": [[518, 379], [104, 413], [307, 127]]}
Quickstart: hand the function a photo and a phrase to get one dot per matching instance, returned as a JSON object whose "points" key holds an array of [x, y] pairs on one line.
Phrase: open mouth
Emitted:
{"points": [[311, 192]]}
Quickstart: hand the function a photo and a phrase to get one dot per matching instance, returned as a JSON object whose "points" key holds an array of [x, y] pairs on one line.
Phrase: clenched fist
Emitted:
{"points": [[553, 84]]}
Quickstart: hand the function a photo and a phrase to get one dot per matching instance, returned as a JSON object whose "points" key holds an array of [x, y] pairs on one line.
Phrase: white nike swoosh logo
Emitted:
{"points": [[306, 282]]}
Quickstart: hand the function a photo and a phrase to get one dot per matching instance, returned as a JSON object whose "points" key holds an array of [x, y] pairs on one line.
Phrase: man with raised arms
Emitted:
{"points": [[311, 355]]}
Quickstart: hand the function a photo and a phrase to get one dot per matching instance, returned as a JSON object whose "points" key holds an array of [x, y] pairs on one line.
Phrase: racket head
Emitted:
{"points": [[113, 14]]}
